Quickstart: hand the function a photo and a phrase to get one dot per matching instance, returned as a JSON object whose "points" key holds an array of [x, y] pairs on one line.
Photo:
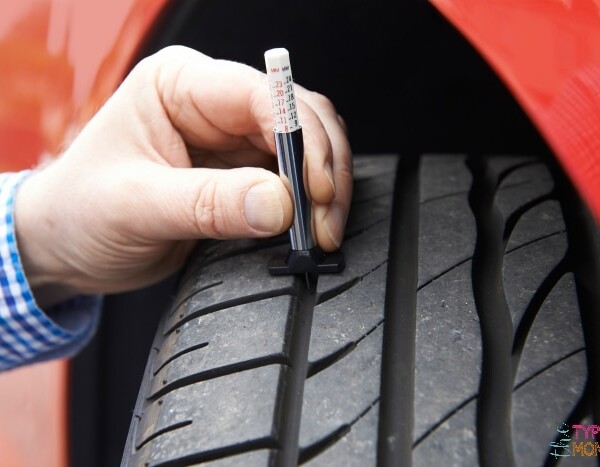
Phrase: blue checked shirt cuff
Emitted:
{"points": [[28, 334]]}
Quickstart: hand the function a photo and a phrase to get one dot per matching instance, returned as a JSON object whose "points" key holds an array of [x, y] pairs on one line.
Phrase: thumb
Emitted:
{"points": [[185, 203]]}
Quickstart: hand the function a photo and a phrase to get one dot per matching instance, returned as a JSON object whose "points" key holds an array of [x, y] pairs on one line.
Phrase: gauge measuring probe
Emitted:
{"points": [[304, 257]]}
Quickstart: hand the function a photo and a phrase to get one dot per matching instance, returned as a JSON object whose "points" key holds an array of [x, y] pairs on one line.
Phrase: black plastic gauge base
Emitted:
{"points": [[312, 261]]}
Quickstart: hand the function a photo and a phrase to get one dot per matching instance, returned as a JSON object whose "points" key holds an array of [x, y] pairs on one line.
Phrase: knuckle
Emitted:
{"points": [[207, 213], [321, 101]]}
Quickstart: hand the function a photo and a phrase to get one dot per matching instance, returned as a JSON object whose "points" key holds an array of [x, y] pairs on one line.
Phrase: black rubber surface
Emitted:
{"points": [[463, 330]]}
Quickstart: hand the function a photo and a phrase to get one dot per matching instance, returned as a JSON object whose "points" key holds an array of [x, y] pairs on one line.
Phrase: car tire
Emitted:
{"points": [[464, 330]]}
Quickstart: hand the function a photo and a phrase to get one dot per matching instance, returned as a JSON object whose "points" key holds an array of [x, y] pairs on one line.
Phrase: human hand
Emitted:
{"points": [[180, 152]]}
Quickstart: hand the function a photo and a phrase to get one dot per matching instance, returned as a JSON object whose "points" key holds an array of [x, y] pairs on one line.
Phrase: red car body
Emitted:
{"points": [[61, 59], [548, 54]]}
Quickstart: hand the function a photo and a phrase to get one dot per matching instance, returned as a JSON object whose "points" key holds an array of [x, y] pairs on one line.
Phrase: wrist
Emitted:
{"points": [[36, 229]]}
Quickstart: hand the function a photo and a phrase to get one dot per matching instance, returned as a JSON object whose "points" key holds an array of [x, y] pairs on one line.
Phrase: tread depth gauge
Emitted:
{"points": [[304, 257]]}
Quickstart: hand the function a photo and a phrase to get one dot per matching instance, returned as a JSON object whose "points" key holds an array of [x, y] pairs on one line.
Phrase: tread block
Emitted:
{"points": [[228, 344], [339, 394], [345, 319], [357, 448], [447, 348], [234, 410], [216, 288]]}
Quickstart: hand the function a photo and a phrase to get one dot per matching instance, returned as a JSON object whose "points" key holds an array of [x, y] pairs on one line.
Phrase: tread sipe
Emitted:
{"points": [[464, 330]]}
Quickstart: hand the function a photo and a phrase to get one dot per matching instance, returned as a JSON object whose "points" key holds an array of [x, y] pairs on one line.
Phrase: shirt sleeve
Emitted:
{"points": [[28, 334]]}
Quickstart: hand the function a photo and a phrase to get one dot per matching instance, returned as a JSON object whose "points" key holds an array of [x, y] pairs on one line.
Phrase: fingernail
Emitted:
{"points": [[329, 173], [263, 209], [334, 225]]}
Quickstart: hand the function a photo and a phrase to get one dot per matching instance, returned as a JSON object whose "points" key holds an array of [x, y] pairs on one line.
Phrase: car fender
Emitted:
{"points": [[548, 55], [59, 61]]}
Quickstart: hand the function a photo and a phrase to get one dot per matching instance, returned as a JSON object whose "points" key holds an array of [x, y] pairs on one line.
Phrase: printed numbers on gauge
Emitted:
{"points": [[283, 100]]}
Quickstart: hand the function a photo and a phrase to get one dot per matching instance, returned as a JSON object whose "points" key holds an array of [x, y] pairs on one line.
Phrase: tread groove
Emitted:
{"points": [[443, 273], [263, 244], [494, 437], [364, 229], [444, 196], [289, 407], [228, 451], [514, 218], [395, 428], [370, 199], [179, 354], [320, 446], [230, 304], [534, 240], [548, 366], [340, 289], [443, 420], [217, 373], [187, 297], [505, 173], [466, 260], [534, 306], [463, 192], [334, 292], [325, 362], [158, 433]]}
